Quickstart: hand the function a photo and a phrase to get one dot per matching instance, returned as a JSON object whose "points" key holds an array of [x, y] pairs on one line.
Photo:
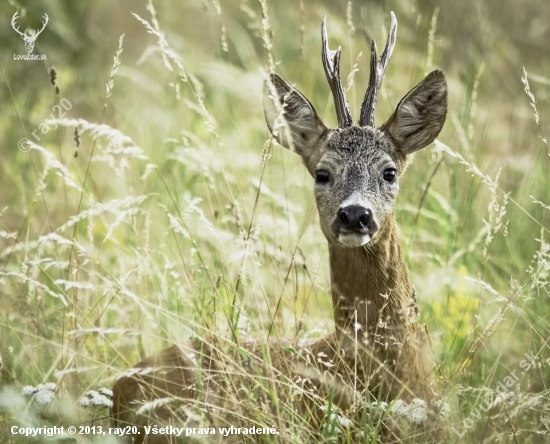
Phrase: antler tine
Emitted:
{"points": [[44, 23], [331, 63], [377, 69], [13, 24]]}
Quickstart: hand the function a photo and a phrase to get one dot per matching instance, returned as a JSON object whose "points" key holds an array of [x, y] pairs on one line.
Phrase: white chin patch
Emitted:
{"points": [[354, 240]]}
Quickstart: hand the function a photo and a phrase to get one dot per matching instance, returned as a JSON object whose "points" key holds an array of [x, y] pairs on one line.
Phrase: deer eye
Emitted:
{"points": [[390, 174], [322, 176]]}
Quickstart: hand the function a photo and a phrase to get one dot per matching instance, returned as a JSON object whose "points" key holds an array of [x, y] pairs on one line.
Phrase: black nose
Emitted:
{"points": [[355, 218]]}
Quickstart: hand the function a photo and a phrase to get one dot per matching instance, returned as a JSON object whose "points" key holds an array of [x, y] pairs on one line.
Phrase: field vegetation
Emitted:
{"points": [[155, 207]]}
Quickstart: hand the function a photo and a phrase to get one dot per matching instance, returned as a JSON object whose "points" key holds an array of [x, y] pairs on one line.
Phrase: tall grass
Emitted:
{"points": [[174, 217]]}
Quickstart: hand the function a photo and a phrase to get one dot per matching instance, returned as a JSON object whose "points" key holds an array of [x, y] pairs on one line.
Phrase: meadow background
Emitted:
{"points": [[169, 215]]}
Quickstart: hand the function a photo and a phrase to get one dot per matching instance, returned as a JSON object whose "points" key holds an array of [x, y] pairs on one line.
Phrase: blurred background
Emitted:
{"points": [[154, 209]]}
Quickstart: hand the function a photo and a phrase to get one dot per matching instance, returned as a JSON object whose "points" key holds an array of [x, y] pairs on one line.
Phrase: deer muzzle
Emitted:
{"points": [[354, 225]]}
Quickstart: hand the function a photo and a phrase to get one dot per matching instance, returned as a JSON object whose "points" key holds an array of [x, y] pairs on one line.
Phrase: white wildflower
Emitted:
{"points": [[334, 417], [398, 405], [380, 405], [44, 397], [419, 412], [42, 393], [28, 390], [416, 412], [93, 398], [343, 421], [106, 392], [52, 386]]}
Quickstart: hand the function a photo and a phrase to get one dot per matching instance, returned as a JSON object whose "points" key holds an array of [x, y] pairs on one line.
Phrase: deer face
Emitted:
{"points": [[356, 167], [356, 184]]}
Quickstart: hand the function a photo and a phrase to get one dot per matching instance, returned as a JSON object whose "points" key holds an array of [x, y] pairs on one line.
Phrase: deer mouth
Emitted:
{"points": [[353, 239]]}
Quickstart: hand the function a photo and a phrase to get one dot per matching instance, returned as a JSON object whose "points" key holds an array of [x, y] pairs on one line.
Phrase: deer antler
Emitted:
{"points": [[13, 25], [331, 63], [377, 69], [44, 23]]}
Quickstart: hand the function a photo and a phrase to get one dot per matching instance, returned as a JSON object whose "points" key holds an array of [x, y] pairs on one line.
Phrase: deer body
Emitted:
{"points": [[378, 350]]}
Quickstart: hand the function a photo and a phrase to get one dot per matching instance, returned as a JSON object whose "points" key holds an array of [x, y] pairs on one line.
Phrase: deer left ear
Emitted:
{"points": [[420, 115]]}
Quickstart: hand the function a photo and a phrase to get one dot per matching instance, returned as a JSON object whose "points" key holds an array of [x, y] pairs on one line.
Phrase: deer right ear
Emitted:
{"points": [[292, 120]]}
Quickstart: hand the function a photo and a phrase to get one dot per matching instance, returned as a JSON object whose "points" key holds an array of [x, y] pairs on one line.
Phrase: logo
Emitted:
{"points": [[29, 37]]}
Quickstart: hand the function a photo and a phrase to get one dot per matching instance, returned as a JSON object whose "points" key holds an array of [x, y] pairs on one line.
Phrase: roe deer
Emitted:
{"points": [[378, 350]]}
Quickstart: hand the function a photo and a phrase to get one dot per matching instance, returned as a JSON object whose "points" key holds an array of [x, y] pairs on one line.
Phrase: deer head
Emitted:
{"points": [[356, 167], [30, 35]]}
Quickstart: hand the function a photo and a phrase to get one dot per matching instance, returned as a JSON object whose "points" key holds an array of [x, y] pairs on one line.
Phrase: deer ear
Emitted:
{"points": [[420, 115], [292, 120]]}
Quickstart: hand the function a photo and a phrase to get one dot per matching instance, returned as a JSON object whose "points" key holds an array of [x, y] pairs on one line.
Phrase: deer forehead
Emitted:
{"points": [[359, 151]]}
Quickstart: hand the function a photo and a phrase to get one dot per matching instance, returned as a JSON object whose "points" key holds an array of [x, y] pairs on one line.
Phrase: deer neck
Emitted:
{"points": [[370, 287]]}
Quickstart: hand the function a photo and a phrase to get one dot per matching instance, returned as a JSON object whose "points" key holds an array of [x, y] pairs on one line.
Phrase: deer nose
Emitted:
{"points": [[356, 218]]}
